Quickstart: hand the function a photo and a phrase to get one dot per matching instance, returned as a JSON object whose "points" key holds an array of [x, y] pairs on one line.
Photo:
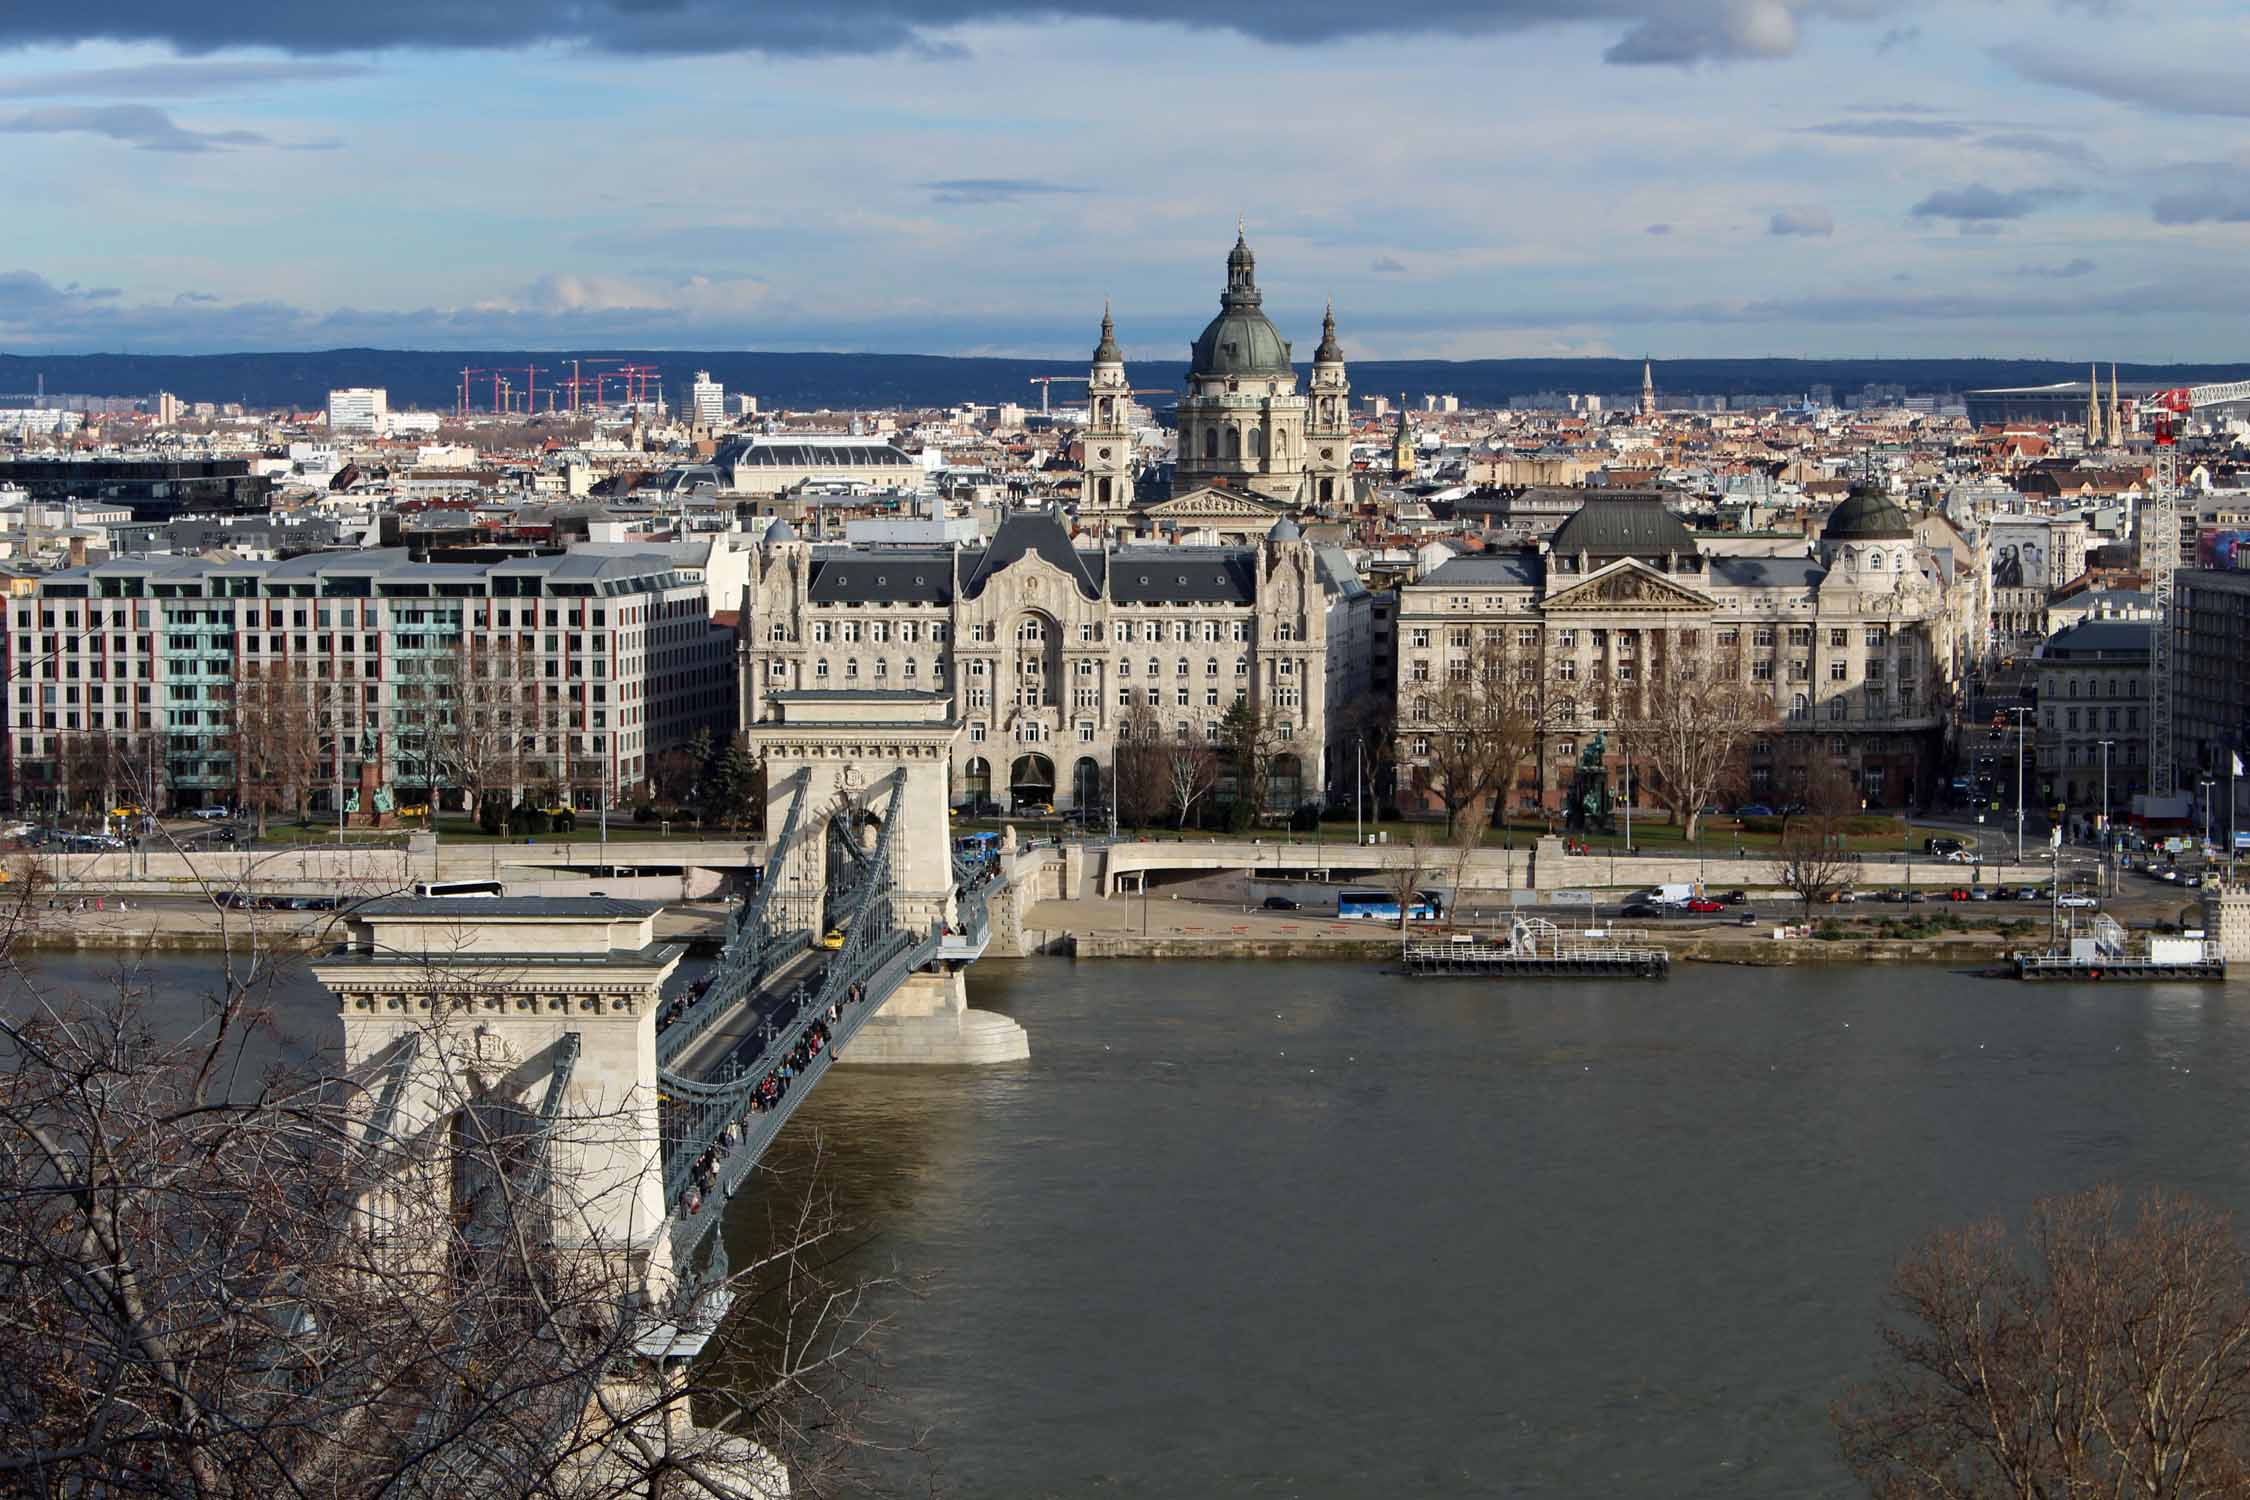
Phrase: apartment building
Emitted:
{"points": [[174, 675]]}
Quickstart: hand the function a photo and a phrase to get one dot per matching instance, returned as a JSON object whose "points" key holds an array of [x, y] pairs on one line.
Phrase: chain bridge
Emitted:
{"points": [[645, 1109]]}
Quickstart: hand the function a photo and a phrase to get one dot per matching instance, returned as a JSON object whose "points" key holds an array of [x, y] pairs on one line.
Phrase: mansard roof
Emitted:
{"points": [[1184, 575], [1027, 534], [1634, 526]]}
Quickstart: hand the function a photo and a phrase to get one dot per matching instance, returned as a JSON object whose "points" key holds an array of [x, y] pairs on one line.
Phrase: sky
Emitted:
{"points": [[1464, 178]]}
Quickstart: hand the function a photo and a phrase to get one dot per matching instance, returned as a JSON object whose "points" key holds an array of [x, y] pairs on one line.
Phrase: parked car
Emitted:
{"points": [[1734, 898], [1959, 893], [1844, 897], [1981, 893], [1641, 909], [209, 814], [1942, 846], [1705, 905], [1035, 809], [1278, 903], [2030, 893], [2078, 903]]}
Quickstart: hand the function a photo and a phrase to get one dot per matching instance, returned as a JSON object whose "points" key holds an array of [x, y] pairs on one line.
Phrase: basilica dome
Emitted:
{"points": [[1241, 340]]}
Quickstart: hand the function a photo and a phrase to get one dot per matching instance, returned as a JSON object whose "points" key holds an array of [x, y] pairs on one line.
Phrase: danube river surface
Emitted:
{"points": [[1311, 1230]]}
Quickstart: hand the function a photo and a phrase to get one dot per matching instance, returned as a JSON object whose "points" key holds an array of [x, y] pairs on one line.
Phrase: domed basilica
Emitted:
{"points": [[1247, 437]]}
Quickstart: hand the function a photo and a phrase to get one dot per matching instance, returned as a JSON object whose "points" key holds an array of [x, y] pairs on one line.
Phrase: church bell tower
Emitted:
{"points": [[1107, 487]]}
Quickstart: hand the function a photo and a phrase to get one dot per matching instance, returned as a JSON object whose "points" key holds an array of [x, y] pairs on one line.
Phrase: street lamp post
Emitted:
{"points": [[2205, 784], [2105, 840], [2021, 715]]}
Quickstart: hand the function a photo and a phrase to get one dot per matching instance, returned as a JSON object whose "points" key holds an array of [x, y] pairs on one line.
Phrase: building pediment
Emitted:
{"points": [[1208, 502], [1628, 585]]}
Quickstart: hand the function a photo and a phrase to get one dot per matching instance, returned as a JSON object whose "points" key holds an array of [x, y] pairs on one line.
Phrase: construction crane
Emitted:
{"points": [[2160, 557], [465, 374], [1045, 381]]}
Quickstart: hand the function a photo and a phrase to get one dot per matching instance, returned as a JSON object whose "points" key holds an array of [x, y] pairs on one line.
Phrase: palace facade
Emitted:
{"points": [[1852, 639]]}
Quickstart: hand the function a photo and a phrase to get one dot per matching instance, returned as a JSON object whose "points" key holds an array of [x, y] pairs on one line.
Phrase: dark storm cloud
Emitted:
{"points": [[980, 190], [1653, 31], [171, 80], [141, 125], [1979, 204]]}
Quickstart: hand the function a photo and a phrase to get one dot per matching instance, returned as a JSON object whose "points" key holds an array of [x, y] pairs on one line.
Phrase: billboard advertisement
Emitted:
{"points": [[2019, 556], [2223, 548]]}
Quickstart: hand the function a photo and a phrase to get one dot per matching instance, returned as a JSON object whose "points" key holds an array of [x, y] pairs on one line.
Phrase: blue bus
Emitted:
{"points": [[1382, 906]]}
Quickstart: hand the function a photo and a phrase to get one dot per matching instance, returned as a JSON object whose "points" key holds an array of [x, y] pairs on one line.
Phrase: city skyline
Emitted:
{"points": [[1682, 177]]}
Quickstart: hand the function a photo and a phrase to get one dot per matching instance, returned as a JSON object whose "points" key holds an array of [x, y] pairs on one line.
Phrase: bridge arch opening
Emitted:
{"points": [[1086, 782]]}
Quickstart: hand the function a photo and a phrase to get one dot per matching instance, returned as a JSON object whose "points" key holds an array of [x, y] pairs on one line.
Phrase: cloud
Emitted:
{"points": [[1898, 36], [185, 298], [139, 125], [2166, 87], [1739, 29], [2038, 144], [1654, 31], [1893, 130], [1387, 265], [980, 190], [2069, 270], [1811, 219], [1978, 204], [1658, 229], [173, 80]]}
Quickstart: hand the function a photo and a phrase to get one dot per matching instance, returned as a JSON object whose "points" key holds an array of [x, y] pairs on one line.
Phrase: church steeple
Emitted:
{"points": [[1648, 388], [1242, 273], [1106, 352], [2116, 427], [2093, 406], [1330, 352], [1402, 443]]}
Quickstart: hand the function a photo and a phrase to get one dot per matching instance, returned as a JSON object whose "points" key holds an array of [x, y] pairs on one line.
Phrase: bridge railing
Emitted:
{"points": [[730, 1103]]}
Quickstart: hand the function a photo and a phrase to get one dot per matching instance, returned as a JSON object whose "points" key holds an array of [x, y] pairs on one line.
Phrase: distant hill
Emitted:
{"points": [[431, 380]]}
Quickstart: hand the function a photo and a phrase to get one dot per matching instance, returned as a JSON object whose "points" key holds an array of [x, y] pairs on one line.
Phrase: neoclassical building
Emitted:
{"points": [[1245, 429], [1851, 639], [1048, 649]]}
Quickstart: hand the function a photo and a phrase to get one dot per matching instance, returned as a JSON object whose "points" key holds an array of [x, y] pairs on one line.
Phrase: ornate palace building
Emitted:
{"points": [[1048, 649], [1252, 447], [1851, 638]]}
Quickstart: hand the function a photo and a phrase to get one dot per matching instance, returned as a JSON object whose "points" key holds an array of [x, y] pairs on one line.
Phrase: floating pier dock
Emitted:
{"points": [[1535, 948]]}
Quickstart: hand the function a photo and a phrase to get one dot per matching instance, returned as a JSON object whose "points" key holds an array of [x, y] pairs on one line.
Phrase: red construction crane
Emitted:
{"points": [[578, 382], [465, 374], [531, 374]]}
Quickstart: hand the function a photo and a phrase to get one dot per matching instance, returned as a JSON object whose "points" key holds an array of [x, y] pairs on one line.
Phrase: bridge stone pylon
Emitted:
{"points": [[833, 748]]}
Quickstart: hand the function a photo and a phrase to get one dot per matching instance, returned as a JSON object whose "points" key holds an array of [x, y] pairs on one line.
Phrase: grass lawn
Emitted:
{"points": [[465, 831], [1720, 836]]}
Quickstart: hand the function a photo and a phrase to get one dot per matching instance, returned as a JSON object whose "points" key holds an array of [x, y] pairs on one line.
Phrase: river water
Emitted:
{"points": [[1310, 1230]]}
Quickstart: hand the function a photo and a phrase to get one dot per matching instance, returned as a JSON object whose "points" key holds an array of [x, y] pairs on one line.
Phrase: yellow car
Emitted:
{"points": [[833, 938]]}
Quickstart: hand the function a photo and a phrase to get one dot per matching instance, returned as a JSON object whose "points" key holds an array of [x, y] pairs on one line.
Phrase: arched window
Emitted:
{"points": [[1257, 443], [1210, 442], [1327, 491], [1101, 492], [1234, 442], [1030, 631]]}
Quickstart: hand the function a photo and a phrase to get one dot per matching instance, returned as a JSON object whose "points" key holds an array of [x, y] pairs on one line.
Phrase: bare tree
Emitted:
{"points": [[1403, 880], [274, 736], [1191, 770], [1694, 716], [1811, 859], [2102, 1353], [1141, 776], [478, 706], [203, 1304], [1481, 723]]}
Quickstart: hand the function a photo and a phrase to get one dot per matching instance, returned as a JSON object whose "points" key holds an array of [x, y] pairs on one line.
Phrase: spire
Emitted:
{"points": [[1106, 352], [1330, 352], [1648, 387], [2116, 428], [2093, 406]]}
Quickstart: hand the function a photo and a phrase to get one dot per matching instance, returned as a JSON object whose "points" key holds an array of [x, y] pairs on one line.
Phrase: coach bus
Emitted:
{"points": [[1382, 906]]}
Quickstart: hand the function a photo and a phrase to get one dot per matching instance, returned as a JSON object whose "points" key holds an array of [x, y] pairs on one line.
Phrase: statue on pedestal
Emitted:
{"points": [[1590, 802]]}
